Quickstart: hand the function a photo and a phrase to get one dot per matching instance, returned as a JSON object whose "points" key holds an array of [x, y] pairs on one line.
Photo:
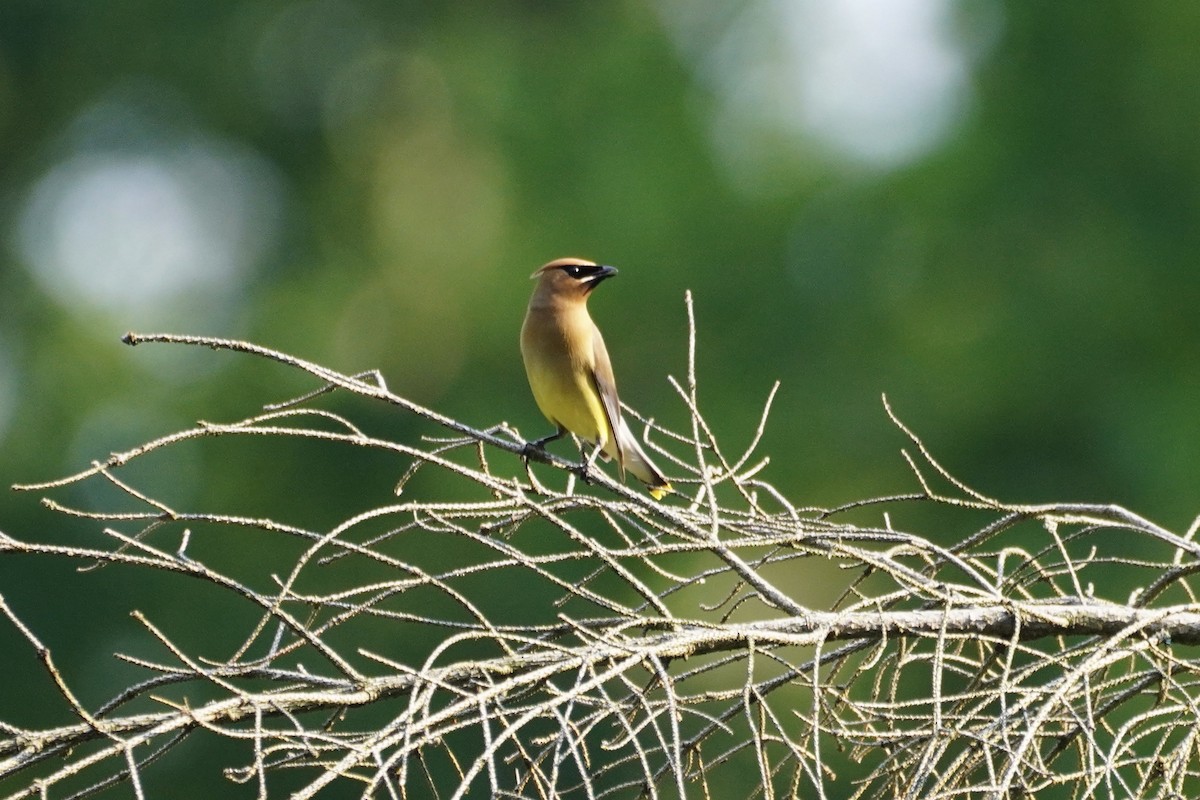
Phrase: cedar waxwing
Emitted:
{"points": [[569, 371]]}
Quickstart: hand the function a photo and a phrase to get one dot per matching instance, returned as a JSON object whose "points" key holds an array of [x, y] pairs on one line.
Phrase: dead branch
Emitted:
{"points": [[675, 654]]}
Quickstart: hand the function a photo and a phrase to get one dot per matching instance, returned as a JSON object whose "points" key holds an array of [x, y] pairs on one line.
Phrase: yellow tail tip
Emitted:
{"points": [[659, 492]]}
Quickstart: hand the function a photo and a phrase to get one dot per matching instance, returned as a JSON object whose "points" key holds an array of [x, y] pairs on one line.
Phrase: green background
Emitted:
{"points": [[987, 210]]}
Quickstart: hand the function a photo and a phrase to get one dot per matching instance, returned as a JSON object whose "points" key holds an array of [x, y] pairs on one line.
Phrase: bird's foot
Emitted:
{"points": [[539, 445], [584, 472], [585, 468]]}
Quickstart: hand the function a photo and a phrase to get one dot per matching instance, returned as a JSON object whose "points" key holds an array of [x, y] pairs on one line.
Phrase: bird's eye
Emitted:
{"points": [[574, 270]]}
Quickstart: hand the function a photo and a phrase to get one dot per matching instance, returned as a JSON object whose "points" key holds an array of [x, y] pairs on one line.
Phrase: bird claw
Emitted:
{"points": [[529, 448], [585, 469], [539, 445]]}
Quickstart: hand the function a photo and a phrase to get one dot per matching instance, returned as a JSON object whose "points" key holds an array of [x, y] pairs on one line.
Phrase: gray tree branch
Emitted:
{"points": [[973, 648]]}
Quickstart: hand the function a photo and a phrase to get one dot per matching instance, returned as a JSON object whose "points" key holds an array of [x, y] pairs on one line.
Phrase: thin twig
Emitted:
{"points": [[558, 638]]}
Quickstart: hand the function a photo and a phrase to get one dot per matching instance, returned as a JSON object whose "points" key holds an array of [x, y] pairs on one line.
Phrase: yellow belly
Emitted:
{"points": [[567, 398]]}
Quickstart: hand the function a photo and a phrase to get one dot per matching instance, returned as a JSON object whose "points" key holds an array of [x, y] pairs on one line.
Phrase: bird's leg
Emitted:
{"points": [[540, 444], [589, 461]]}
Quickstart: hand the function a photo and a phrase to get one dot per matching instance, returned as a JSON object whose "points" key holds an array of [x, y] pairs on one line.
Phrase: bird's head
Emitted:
{"points": [[571, 277]]}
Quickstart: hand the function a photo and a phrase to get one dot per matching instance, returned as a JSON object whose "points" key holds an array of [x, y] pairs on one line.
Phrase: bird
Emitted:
{"points": [[570, 373]]}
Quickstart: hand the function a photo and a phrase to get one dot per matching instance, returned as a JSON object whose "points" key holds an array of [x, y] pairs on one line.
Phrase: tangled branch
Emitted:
{"points": [[668, 651]]}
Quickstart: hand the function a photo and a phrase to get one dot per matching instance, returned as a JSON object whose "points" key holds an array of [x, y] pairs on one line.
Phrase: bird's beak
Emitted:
{"points": [[593, 280], [605, 272]]}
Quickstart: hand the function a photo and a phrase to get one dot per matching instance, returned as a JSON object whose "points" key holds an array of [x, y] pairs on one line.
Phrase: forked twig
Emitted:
{"points": [[667, 649]]}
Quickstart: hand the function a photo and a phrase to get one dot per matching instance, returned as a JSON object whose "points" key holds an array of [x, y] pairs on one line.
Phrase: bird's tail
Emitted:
{"points": [[633, 458]]}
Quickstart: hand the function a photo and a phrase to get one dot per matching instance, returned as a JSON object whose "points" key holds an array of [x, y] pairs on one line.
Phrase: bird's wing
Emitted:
{"points": [[606, 387]]}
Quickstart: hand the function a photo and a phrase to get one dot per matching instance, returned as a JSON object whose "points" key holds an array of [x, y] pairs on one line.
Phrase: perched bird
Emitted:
{"points": [[569, 371]]}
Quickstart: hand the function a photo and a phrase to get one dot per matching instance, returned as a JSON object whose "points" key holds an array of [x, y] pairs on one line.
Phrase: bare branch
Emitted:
{"points": [[674, 651]]}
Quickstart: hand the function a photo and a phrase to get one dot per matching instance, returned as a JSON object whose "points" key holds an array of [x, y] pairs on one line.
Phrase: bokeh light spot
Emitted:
{"points": [[138, 231], [872, 82]]}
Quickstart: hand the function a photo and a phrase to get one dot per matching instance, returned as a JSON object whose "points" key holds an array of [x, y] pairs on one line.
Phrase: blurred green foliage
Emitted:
{"points": [[379, 179]]}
